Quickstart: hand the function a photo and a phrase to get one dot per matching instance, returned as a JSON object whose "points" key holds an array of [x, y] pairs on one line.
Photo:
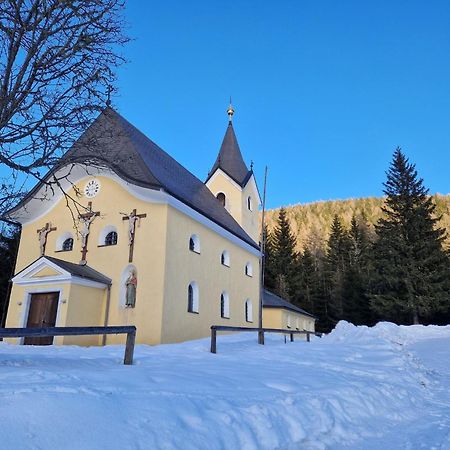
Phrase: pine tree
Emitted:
{"points": [[356, 306], [336, 265], [270, 271], [284, 256], [411, 268], [9, 244]]}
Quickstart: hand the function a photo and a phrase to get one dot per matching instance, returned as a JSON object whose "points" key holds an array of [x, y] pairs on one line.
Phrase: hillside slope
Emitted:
{"points": [[311, 222]]}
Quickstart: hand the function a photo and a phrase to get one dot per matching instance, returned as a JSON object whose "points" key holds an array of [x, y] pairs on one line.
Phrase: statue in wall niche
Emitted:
{"points": [[130, 293]]}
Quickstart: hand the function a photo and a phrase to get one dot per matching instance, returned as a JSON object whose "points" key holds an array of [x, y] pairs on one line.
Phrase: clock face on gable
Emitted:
{"points": [[92, 188]]}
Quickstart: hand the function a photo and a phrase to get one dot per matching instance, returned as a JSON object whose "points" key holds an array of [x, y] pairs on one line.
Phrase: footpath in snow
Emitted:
{"points": [[386, 387]]}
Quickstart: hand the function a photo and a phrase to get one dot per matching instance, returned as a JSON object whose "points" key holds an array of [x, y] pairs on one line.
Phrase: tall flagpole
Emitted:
{"points": [[261, 263]]}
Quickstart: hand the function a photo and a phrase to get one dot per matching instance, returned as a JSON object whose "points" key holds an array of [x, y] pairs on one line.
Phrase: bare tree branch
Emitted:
{"points": [[57, 71]]}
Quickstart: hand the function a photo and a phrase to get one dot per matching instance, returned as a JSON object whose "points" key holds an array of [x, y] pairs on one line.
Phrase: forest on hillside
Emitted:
{"points": [[311, 222], [365, 260]]}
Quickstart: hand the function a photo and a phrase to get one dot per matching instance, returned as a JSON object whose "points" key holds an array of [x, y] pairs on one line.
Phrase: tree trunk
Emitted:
{"points": [[416, 317]]}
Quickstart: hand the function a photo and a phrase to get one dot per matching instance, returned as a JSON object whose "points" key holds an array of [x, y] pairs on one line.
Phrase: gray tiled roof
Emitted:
{"points": [[230, 159], [113, 142], [77, 270], [270, 300]]}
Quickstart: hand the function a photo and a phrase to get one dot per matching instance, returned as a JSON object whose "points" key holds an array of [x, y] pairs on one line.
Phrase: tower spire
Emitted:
{"points": [[230, 111]]}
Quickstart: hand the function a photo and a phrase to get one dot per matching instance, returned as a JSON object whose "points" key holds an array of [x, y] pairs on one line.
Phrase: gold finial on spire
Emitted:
{"points": [[230, 112]]}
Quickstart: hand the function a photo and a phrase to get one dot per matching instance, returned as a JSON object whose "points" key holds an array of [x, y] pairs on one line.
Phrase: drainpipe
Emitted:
{"points": [[108, 302]]}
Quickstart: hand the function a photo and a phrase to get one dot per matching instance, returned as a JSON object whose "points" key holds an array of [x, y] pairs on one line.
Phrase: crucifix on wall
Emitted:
{"points": [[42, 236], [86, 219], [133, 219]]}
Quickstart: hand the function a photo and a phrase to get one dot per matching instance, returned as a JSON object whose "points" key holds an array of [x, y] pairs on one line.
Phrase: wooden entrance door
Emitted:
{"points": [[42, 314]]}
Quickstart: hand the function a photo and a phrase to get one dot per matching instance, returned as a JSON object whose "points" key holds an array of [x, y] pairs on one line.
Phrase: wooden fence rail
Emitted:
{"points": [[260, 331], [129, 330]]}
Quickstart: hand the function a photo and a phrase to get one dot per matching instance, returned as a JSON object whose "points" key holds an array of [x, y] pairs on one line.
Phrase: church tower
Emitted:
{"points": [[233, 184]]}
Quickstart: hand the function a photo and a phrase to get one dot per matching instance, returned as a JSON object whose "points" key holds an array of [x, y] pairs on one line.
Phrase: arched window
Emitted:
{"points": [[249, 203], [248, 311], [194, 244], [67, 245], [193, 297], [64, 242], [111, 238], [225, 258], [224, 305], [249, 270], [222, 199]]}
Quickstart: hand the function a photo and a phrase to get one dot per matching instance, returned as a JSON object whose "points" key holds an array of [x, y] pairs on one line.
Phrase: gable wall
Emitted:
{"points": [[149, 254]]}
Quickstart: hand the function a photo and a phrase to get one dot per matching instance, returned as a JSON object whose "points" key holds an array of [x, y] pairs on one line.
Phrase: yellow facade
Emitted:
{"points": [[282, 318], [241, 203], [165, 266]]}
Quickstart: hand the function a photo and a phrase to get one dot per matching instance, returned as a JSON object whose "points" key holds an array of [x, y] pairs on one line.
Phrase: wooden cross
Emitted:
{"points": [[133, 217], [87, 219], [42, 232]]}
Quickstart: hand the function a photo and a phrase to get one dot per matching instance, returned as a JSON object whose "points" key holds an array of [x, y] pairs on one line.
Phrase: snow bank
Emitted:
{"points": [[354, 388]]}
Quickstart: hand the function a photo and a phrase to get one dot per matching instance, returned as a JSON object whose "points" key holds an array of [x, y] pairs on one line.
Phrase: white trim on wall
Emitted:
{"points": [[32, 211]]}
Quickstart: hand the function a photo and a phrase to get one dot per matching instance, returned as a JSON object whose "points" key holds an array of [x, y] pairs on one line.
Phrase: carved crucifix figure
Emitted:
{"points": [[86, 219], [133, 219], [42, 236]]}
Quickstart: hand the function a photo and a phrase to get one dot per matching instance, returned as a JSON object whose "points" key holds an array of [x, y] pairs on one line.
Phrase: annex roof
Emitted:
{"points": [[230, 159], [76, 270], [271, 300], [113, 142]]}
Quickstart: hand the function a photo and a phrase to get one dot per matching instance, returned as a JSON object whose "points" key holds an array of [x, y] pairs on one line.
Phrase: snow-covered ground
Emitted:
{"points": [[386, 387]]}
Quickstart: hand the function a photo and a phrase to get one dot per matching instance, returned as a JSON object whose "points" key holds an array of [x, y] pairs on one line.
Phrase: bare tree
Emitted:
{"points": [[57, 70]]}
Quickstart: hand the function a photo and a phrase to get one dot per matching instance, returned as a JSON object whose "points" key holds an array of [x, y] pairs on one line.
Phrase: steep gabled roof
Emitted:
{"points": [[230, 159], [270, 300], [113, 142]]}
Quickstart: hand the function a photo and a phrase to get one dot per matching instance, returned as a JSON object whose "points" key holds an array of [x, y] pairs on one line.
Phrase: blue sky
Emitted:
{"points": [[323, 90]]}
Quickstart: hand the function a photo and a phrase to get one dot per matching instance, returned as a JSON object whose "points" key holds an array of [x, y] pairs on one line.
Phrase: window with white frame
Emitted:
{"points": [[249, 203], [249, 269], [222, 199], [64, 242], [224, 305], [67, 245], [194, 244], [289, 321], [193, 297], [108, 236], [225, 258], [111, 238], [248, 310]]}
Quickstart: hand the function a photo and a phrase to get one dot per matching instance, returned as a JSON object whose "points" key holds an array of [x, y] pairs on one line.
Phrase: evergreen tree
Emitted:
{"points": [[9, 244], [270, 271], [411, 268], [356, 306], [336, 265], [284, 243]]}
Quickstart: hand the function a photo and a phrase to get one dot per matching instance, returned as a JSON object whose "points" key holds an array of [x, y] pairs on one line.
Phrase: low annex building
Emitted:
{"points": [[279, 313], [131, 237]]}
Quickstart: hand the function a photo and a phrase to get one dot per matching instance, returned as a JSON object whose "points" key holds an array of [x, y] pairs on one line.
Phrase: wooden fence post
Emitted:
{"points": [[213, 340], [261, 337], [308, 337], [292, 337], [129, 348]]}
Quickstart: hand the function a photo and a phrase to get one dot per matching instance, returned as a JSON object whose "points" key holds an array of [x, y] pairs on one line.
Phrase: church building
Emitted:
{"points": [[127, 235]]}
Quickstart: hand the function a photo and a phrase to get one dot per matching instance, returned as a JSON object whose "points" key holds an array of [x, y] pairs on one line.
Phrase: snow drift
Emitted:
{"points": [[386, 386]]}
